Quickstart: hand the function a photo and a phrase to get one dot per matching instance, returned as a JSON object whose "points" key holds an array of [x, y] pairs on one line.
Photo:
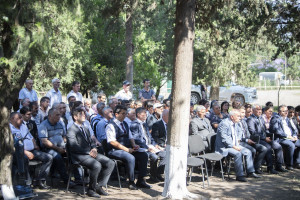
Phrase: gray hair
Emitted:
{"points": [[111, 101], [199, 108], [54, 80], [254, 106], [281, 106], [106, 108], [24, 100], [234, 112], [130, 109], [55, 105]]}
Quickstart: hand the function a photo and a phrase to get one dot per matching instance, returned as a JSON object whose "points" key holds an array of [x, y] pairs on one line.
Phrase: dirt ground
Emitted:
{"points": [[287, 97], [282, 186]]}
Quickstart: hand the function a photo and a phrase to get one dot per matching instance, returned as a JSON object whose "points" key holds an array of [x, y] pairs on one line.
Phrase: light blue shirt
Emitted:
{"points": [[25, 93], [54, 133], [55, 97], [100, 130]]}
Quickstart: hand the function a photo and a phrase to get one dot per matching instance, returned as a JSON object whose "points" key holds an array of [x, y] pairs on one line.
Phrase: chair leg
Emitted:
{"points": [[69, 181], [191, 174], [222, 169], [118, 174], [83, 181], [244, 165], [206, 172], [212, 167], [203, 177], [228, 167]]}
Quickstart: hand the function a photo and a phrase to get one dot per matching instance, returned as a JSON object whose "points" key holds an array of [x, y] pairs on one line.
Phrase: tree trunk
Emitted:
{"points": [[129, 45], [214, 92], [177, 145]]}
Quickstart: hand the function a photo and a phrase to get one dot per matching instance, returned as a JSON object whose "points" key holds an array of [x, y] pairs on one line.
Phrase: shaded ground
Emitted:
{"points": [[282, 186]]}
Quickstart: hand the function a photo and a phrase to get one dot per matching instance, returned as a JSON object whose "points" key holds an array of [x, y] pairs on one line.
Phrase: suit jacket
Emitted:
{"points": [[276, 127], [243, 125], [78, 145], [257, 127], [138, 136], [201, 127], [159, 133], [224, 138]]}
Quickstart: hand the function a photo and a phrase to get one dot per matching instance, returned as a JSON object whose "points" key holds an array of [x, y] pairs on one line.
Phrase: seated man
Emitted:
{"points": [[201, 126], [253, 146], [257, 127], [53, 137], [159, 129], [228, 135], [83, 151], [286, 136], [31, 150], [119, 147], [151, 119], [144, 140]]}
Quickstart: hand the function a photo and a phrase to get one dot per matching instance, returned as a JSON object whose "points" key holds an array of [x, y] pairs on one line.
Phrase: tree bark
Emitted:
{"points": [[177, 145], [214, 92], [129, 45]]}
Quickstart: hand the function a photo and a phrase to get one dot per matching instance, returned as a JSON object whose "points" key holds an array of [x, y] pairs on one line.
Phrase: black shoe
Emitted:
{"points": [[132, 186], [92, 193], [281, 169], [258, 171], [100, 191], [272, 171], [253, 175], [297, 166], [143, 184], [153, 179], [42, 185], [289, 168], [241, 179], [160, 178]]}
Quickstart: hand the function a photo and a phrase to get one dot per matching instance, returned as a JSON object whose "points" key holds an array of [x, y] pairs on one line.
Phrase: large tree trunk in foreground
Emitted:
{"points": [[129, 45], [177, 145]]}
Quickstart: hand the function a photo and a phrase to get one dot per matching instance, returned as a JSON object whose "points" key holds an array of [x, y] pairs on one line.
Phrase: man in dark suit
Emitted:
{"points": [[159, 129], [84, 152], [200, 125], [286, 136], [257, 128], [252, 144], [142, 137]]}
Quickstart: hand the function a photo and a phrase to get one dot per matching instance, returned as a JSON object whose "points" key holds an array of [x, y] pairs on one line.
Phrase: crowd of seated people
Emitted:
{"points": [[135, 132]]}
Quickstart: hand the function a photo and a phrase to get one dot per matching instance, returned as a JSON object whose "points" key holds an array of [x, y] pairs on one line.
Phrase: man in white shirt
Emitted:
{"points": [[54, 94], [124, 94], [75, 91], [28, 92], [43, 111]]}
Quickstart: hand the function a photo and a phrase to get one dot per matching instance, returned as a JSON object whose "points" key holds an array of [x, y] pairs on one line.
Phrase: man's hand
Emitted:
{"points": [[236, 148], [268, 139], [61, 150], [29, 154], [136, 147], [250, 142], [98, 144], [130, 150], [93, 153]]}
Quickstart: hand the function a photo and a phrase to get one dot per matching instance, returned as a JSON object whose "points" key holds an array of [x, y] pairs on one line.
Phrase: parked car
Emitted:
{"points": [[233, 92]]}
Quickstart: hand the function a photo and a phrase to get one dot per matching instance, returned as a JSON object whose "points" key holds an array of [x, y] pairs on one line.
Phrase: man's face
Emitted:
{"points": [[80, 117], [102, 99], [121, 115], [29, 84], [248, 112], [291, 113], [45, 104], [283, 111], [55, 117], [87, 105], [150, 109], [269, 112], [108, 113], [62, 109], [72, 99], [159, 110], [243, 113], [126, 87], [114, 104], [257, 111], [76, 88], [202, 113], [56, 84], [147, 84], [142, 116], [131, 115], [26, 102], [235, 118], [206, 105], [17, 120], [27, 116], [34, 110]]}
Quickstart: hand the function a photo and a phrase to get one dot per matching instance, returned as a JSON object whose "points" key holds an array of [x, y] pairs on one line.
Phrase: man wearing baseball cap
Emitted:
{"points": [[124, 94]]}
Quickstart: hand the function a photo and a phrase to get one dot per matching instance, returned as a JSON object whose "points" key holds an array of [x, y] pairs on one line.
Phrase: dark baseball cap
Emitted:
{"points": [[126, 83]]}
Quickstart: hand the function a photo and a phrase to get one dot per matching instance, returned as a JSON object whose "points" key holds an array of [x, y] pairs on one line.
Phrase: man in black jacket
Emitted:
{"points": [[159, 129], [83, 151]]}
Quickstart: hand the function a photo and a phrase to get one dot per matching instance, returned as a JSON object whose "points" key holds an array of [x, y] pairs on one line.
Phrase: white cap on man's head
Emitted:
{"points": [[54, 80], [157, 105]]}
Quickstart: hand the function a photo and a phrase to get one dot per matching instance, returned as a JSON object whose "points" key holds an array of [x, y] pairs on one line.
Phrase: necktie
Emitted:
{"points": [[82, 130], [123, 128]]}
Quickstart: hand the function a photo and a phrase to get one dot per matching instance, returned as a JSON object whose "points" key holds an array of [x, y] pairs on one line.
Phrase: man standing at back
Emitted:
{"points": [[75, 91], [54, 94], [146, 93], [124, 94], [28, 92]]}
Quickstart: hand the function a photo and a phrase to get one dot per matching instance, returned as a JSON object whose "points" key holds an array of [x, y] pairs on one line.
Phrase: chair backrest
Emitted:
{"points": [[196, 144]]}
